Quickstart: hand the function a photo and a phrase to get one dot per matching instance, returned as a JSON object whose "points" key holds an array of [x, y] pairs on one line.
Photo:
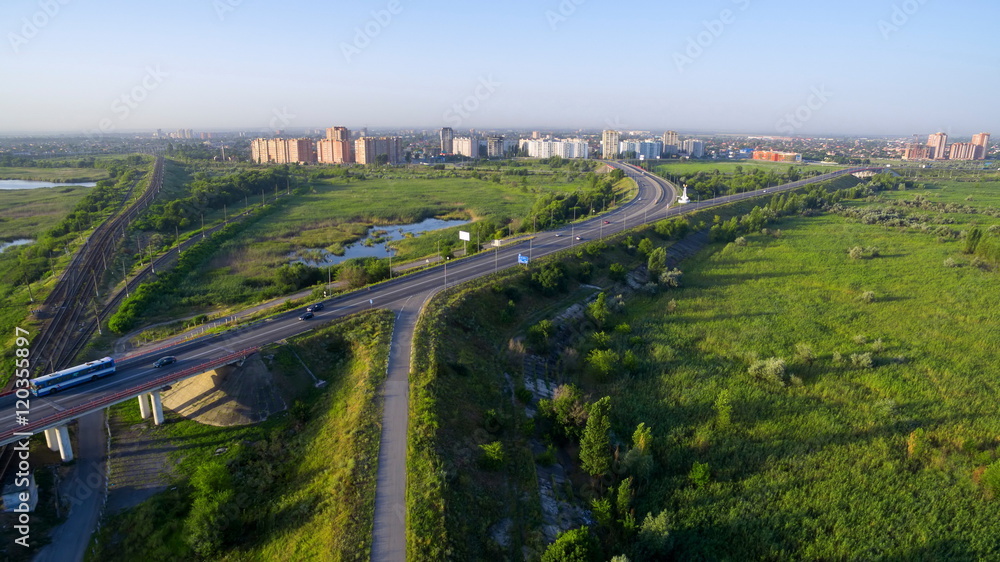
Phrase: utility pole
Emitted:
{"points": [[97, 318]]}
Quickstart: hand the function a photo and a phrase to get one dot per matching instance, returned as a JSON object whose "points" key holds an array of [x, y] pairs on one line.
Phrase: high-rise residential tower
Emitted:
{"points": [[671, 142], [982, 140], [337, 147], [938, 141], [447, 141], [609, 144]]}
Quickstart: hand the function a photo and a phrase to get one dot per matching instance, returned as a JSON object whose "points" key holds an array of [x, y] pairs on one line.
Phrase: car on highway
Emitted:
{"points": [[164, 361], [607, 222], [306, 315], [558, 235], [315, 307], [578, 238]]}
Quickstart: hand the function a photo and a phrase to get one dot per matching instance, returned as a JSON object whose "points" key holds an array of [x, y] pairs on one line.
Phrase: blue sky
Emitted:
{"points": [[754, 66]]}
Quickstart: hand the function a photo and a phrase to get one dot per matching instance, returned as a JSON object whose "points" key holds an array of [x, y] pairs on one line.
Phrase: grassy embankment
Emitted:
{"points": [[299, 486], [841, 455]]}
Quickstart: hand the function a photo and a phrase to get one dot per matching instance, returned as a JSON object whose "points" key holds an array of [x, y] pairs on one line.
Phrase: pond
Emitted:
{"points": [[20, 242], [32, 184], [373, 245]]}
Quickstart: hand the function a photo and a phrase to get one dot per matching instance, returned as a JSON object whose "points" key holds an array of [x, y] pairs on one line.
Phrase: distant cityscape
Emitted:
{"points": [[340, 145]]}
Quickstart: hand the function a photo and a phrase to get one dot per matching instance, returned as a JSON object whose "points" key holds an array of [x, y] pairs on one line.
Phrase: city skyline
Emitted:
{"points": [[734, 66]]}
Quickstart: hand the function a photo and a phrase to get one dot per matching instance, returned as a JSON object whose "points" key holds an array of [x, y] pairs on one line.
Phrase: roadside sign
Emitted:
{"points": [[463, 235], [497, 243], [521, 258]]}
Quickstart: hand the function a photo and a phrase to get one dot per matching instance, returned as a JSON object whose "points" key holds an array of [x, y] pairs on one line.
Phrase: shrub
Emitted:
{"points": [[700, 474], [856, 253], [492, 458], [523, 395], [862, 360], [867, 296], [950, 262], [991, 479], [740, 241], [771, 370], [617, 272], [574, 545]]}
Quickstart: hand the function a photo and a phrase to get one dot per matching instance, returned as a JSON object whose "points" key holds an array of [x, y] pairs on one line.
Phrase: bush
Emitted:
{"points": [[867, 296], [700, 474], [771, 370], [862, 360], [617, 272], [991, 479], [574, 545], [492, 458], [856, 253]]}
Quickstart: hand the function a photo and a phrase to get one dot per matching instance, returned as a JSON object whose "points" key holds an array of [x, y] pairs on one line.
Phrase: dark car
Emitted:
{"points": [[314, 308], [164, 361], [306, 316]]}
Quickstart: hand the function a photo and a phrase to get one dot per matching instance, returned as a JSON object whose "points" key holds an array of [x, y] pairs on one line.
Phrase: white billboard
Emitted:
{"points": [[463, 235]]}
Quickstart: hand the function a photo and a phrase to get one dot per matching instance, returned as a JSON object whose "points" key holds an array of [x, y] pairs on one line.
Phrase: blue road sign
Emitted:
{"points": [[521, 258]]}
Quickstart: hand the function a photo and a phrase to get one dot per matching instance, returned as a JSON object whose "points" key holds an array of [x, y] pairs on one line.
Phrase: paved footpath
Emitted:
{"points": [[389, 530]]}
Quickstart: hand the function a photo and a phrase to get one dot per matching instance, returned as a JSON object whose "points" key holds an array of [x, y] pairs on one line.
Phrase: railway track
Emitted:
{"points": [[65, 334]]}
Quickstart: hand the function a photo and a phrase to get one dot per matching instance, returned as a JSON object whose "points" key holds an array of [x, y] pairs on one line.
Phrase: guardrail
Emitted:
{"points": [[120, 396]]}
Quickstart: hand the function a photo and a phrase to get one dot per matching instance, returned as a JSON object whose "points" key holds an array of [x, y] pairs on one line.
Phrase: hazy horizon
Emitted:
{"points": [[892, 68]]}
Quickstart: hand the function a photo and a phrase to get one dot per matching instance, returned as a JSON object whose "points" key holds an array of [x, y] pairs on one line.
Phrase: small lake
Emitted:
{"points": [[32, 184], [373, 245], [21, 242]]}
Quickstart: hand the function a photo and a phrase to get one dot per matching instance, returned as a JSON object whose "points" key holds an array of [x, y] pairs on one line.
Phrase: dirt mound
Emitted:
{"points": [[230, 395]]}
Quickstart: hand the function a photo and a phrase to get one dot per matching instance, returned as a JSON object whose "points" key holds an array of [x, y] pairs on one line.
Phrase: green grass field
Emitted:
{"points": [[871, 444], [828, 457], [26, 213], [729, 167], [54, 174], [300, 486]]}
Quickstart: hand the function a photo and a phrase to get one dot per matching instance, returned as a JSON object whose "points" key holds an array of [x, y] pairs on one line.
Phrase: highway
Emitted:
{"points": [[653, 202]]}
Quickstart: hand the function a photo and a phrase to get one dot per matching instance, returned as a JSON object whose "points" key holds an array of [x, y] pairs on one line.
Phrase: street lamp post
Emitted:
{"points": [[446, 272]]}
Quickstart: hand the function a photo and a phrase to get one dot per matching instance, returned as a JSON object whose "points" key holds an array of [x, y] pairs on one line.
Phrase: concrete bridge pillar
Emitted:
{"points": [[50, 439], [143, 406], [65, 447], [157, 408]]}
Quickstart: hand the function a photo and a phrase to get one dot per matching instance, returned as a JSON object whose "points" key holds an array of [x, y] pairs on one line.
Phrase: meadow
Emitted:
{"points": [[679, 167], [27, 213], [803, 402], [54, 174], [299, 486]]}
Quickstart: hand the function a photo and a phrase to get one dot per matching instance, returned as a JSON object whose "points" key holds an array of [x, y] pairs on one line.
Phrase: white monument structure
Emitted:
{"points": [[684, 197]]}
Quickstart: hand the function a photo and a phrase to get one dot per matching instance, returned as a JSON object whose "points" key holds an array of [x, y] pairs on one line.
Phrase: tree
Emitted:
{"points": [[539, 334], [595, 446], [645, 246], [603, 362], [574, 545], [657, 262], [598, 310], [700, 474], [654, 541], [617, 272], [567, 409]]}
